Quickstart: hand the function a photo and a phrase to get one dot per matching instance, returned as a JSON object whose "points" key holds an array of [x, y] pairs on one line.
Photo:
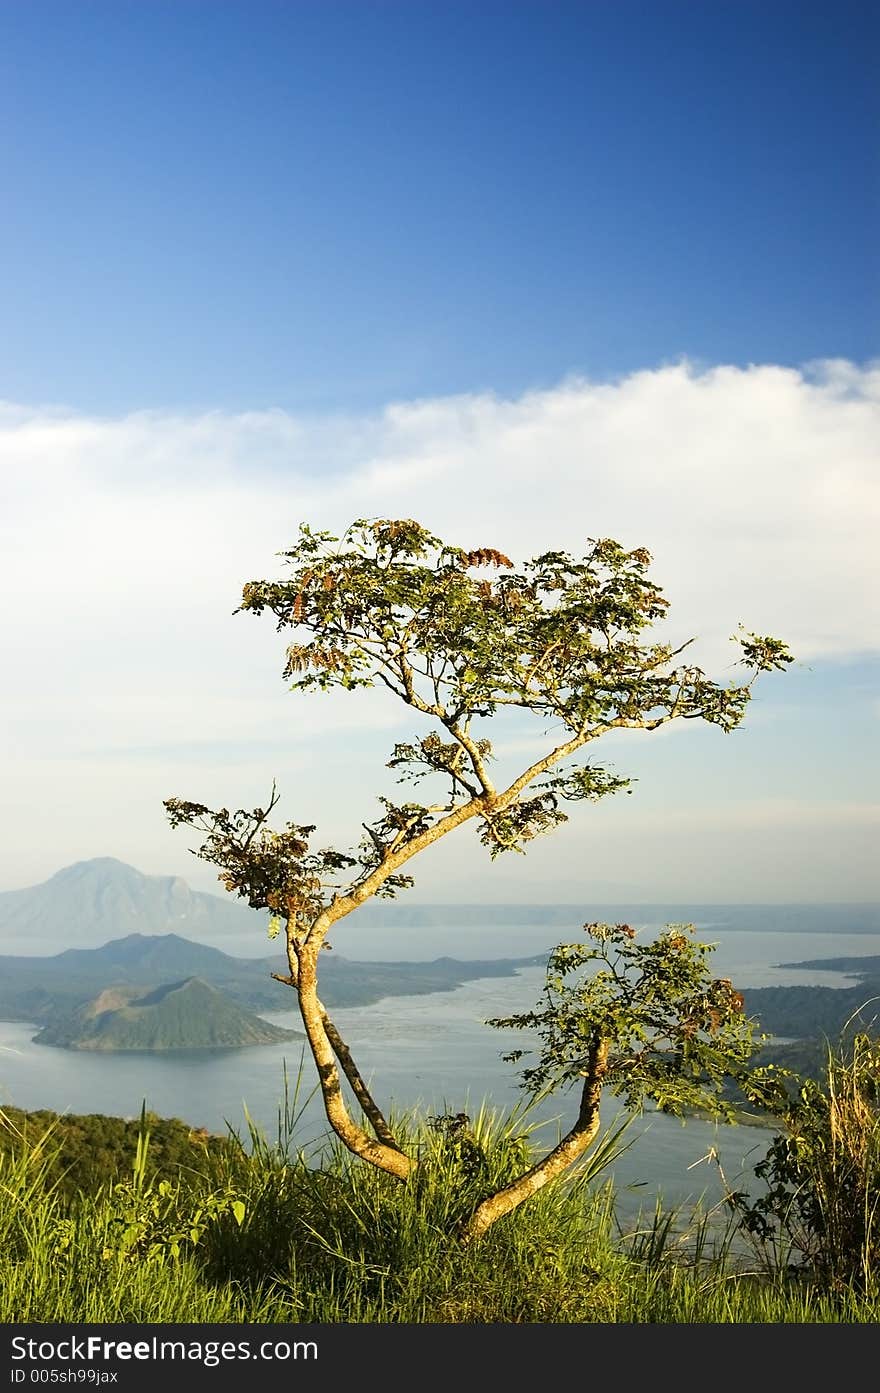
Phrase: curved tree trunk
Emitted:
{"points": [[369, 1107], [382, 1151], [556, 1162]]}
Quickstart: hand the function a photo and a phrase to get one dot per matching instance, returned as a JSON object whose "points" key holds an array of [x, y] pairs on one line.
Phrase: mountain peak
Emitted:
{"points": [[103, 866], [91, 902], [181, 1015]]}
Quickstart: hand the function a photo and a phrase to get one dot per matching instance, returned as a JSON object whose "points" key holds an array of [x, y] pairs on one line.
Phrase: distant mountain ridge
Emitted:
{"points": [[93, 901], [851, 917], [187, 1015], [138, 957], [41, 989]]}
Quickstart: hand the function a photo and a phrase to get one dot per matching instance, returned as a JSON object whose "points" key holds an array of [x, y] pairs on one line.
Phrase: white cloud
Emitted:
{"points": [[125, 541]]}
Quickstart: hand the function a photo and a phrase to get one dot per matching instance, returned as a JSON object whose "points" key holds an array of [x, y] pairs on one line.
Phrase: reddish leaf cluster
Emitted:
{"points": [[486, 556]]}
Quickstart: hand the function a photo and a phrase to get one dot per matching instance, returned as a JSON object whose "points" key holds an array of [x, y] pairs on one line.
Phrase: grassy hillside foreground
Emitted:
{"points": [[164, 1225]]}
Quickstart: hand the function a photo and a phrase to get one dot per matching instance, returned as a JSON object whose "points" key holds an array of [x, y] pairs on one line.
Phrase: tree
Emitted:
{"points": [[458, 636]]}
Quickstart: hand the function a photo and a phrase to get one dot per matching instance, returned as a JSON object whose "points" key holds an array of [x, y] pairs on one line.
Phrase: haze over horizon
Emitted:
{"points": [[528, 274], [104, 904]]}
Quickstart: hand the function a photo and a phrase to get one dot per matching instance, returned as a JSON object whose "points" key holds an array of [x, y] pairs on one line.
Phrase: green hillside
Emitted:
{"points": [[188, 1015], [815, 1012]]}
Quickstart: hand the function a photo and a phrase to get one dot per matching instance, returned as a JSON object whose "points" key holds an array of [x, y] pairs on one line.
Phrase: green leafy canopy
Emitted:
{"points": [[458, 635], [674, 1033]]}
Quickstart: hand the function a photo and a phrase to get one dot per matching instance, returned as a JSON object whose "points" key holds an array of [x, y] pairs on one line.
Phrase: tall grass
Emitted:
{"points": [[820, 1211], [263, 1232]]}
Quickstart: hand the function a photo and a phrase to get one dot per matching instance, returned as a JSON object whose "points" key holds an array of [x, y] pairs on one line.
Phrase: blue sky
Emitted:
{"points": [[329, 205], [540, 270]]}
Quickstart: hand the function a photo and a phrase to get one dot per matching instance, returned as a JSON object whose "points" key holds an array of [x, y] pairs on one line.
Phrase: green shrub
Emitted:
{"points": [[820, 1210]]}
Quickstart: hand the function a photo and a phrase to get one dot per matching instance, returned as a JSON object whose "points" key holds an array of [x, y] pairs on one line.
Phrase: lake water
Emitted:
{"points": [[432, 1052]]}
